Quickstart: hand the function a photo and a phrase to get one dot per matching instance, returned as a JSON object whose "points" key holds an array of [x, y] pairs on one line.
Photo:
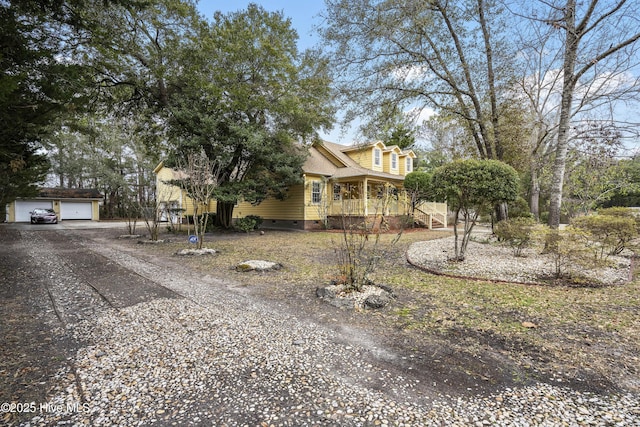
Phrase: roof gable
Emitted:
{"points": [[337, 164], [361, 147]]}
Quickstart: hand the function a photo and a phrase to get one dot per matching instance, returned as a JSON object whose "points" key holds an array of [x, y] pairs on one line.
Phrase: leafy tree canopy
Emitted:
{"points": [[471, 184], [250, 101], [419, 185], [39, 83]]}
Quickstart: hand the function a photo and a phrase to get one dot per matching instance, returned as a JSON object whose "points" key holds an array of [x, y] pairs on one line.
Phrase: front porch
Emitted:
{"points": [[396, 213], [381, 203]]}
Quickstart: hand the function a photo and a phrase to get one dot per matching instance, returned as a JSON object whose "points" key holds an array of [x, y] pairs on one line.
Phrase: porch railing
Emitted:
{"points": [[426, 213]]}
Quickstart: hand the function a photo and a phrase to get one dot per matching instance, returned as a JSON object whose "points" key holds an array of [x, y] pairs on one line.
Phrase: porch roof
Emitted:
{"points": [[359, 172]]}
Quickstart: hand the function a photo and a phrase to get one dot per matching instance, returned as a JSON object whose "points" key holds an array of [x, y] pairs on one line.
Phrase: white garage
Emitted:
{"points": [[24, 207], [68, 203], [75, 210]]}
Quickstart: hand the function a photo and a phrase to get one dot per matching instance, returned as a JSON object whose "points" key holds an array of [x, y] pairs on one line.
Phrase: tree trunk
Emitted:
{"points": [[455, 234], [534, 197], [568, 85], [224, 214], [501, 212]]}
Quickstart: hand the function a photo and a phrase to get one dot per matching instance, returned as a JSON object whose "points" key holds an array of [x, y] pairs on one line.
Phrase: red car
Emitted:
{"points": [[44, 216]]}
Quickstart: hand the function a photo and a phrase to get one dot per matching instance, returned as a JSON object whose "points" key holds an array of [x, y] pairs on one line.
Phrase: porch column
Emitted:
{"points": [[365, 193]]}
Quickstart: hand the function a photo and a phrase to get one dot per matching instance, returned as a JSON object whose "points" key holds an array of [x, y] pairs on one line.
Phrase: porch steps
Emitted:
{"points": [[431, 218]]}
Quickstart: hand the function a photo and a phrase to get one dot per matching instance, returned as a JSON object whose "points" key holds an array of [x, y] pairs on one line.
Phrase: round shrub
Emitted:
{"points": [[516, 232]]}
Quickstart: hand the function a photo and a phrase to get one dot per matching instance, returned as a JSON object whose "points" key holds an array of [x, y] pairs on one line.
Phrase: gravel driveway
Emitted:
{"points": [[95, 333]]}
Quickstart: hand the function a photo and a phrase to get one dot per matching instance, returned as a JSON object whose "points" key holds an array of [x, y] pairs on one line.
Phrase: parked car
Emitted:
{"points": [[45, 216]]}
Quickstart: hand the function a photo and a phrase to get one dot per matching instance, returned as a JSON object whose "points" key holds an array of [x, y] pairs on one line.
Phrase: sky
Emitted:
{"points": [[304, 15]]}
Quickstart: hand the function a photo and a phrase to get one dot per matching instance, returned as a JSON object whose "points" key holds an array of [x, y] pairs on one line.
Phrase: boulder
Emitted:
{"points": [[376, 301], [372, 296], [130, 236], [153, 242], [258, 265], [196, 252], [325, 293]]}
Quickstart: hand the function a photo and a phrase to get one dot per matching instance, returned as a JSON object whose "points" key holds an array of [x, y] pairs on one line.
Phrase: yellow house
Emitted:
{"points": [[362, 181]]}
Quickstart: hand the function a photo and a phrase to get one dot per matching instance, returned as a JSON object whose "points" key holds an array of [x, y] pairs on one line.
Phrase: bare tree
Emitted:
{"points": [[452, 56], [446, 55], [361, 250], [594, 45], [200, 183]]}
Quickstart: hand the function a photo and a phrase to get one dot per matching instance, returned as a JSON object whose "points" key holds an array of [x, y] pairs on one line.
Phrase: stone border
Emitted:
{"points": [[458, 276], [374, 296]]}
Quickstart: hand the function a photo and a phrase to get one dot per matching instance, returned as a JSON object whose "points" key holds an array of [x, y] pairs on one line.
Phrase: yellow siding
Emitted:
{"points": [[292, 208], [387, 163], [365, 158], [11, 212], [386, 160], [95, 210], [410, 155], [164, 191], [317, 211], [403, 164]]}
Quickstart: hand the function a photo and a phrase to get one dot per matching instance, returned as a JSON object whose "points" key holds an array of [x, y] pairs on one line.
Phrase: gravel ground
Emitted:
{"points": [[497, 262], [215, 356]]}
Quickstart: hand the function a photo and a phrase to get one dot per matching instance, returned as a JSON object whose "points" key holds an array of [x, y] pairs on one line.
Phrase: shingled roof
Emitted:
{"points": [[70, 193], [317, 163]]}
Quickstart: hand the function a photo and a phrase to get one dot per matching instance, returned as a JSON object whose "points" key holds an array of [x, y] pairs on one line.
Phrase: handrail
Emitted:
{"points": [[427, 212]]}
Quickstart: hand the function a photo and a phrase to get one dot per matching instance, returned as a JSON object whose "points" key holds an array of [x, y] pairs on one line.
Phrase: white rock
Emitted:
{"points": [[257, 265]]}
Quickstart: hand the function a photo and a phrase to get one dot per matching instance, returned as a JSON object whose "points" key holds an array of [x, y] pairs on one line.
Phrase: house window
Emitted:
{"points": [[409, 164], [316, 195], [394, 161], [377, 157], [337, 192]]}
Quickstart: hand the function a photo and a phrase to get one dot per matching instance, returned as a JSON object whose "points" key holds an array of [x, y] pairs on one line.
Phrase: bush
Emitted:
{"points": [[617, 211], [516, 232], [211, 220], [257, 219], [608, 234], [519, 208], [566, 248], [248, 223]]}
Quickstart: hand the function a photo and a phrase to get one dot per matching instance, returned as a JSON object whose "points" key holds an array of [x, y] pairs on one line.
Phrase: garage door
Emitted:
{"points": [[23, 207], [75, 210]]}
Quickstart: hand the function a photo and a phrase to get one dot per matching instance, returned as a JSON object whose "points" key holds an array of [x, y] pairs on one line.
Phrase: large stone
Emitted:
{"points": [[197, 252], [371, 296], [258, 265], [375, 301], [131, 236], [325, 293]]}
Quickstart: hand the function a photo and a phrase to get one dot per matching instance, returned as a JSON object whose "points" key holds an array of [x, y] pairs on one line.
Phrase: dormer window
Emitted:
{"points": [[377, 157], [409, 166], [394, 161]]}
